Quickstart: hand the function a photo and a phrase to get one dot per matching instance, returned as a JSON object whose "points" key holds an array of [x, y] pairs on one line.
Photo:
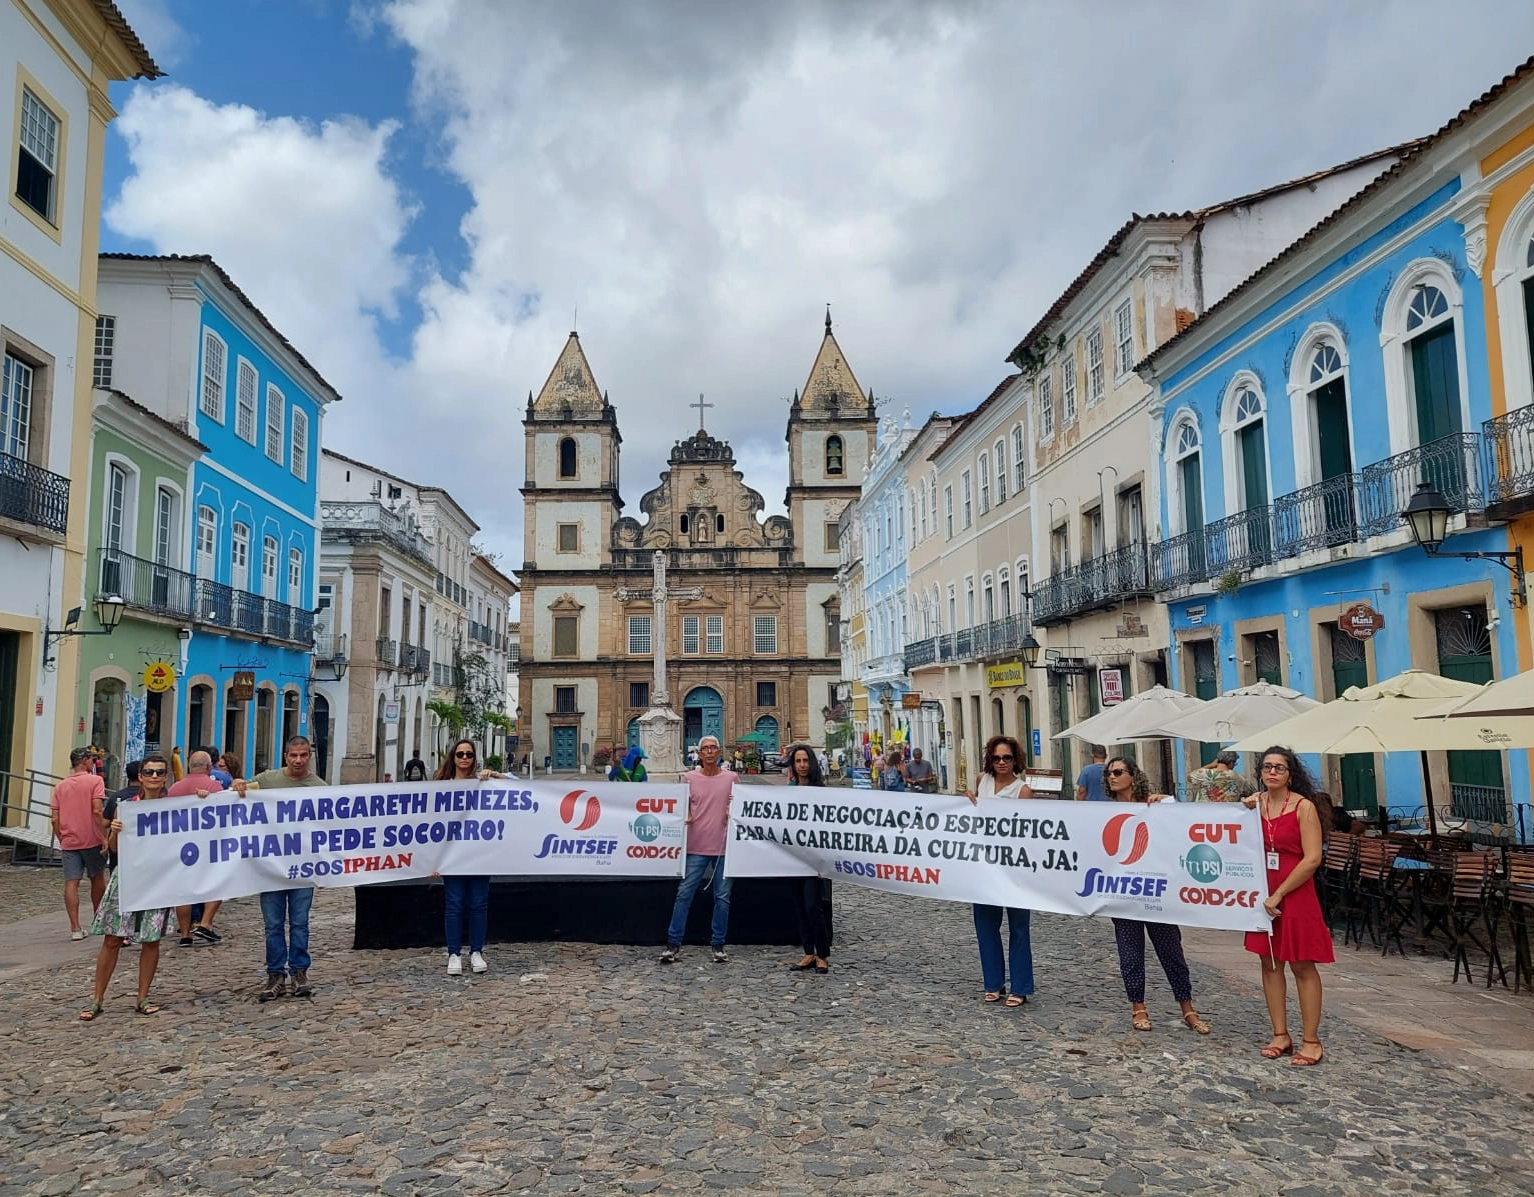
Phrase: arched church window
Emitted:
{"points": [[567, 457], [685, 524], [719, 524], [833, 455]]}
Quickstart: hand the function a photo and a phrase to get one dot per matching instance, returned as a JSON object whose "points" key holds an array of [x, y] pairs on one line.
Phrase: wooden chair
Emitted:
{"points": [[1337, 873], [1472, 904], [1519, 895], [1373, 885]]}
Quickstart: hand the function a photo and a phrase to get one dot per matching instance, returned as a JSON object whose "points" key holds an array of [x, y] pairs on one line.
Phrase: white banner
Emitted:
{"points": [[1197, 864], [177, 851]]}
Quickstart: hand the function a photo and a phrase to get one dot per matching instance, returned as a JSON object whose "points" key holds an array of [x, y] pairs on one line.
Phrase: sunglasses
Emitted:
{"points": [[463, 756], [1118, 772], [151, 772], [1275, 767], [1008, 757]]}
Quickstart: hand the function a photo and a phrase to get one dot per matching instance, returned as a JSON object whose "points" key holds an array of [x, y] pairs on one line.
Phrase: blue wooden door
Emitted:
{"points": [[564, 747], [702, 715]]}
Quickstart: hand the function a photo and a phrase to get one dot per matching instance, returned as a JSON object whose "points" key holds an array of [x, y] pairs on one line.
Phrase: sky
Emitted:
{"points": [[426, 195]]}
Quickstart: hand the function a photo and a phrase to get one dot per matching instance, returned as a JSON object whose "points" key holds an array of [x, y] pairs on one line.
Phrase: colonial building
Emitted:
{"points": [[57, 59], [757, 651]]}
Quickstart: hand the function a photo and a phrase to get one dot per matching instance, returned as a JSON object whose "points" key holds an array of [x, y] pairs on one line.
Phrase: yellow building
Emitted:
{"points": [[57, 59]]}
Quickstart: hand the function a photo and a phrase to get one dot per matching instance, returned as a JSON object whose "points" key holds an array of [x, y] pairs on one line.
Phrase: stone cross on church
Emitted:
{"points": [[659, 596]]}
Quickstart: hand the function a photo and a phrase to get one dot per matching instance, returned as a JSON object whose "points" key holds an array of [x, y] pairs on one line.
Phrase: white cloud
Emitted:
{"points": [[699, 179]]}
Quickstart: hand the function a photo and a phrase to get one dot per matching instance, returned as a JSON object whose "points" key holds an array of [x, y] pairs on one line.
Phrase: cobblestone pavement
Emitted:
{"points": [[27, 889], [571, 1067]]}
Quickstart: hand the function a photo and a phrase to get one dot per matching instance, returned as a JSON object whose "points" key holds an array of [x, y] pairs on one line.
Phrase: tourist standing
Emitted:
{"points": [[1089, 784], [462, 891], [1292, 836], [709, 789], [1219, 782], [919, 774], [142, 927], [285, 912], [75, 812], [1127, 783], [813, 893], [415, 767], [891, 776], [999, 779]]}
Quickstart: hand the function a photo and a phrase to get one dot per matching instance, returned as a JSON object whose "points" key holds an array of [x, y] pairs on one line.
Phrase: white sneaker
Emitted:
{"points": [[477, 962], [455, 966]]}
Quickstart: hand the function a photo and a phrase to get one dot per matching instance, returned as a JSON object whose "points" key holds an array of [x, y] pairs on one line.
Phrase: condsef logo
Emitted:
{"points": [[1126, 833], [590, 812]]}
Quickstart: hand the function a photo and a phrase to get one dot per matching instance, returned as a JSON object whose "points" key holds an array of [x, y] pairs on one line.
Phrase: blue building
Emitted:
{"points": [[1297, 417], [241, 549]]}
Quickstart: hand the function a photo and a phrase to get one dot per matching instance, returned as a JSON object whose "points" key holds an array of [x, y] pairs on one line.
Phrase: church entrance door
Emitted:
{"points": [[702, 715]]}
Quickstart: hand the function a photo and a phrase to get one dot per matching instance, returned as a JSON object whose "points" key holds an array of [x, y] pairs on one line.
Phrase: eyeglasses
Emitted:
{"points": [[463, 756], [1274, 767], [1118, 772], [151, 772], [1007, 757]]}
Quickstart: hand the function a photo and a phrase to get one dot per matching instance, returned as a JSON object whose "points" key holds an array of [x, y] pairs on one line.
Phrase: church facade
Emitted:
{"points": [[752, 632]]}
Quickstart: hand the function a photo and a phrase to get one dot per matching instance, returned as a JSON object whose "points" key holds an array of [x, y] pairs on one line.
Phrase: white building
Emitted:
{"points": [[57, 58]]}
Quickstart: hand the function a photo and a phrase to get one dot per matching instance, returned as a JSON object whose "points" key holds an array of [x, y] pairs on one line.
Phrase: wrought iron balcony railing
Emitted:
{"points": [[383, 652], [1509, 448], [1101, 581], [214, 604], [1241, 541], [1451, 463], [1318, 517], [1181, 561], [146, 585], [998, 637], [31, 495]]}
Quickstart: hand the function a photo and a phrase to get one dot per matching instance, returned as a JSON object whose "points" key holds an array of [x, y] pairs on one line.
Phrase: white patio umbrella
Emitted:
{"points": [[1133, 719], [1236, 714], [1499, 716]]}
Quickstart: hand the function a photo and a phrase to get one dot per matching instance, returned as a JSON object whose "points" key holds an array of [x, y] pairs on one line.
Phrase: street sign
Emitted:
{"points": [[1361, 621], [911, 700], [243, 688], [391, 710], [1038, 742], [1110, 686], [159, 677]]}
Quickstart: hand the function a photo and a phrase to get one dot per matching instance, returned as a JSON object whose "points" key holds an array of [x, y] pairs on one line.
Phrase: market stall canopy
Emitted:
{"points": [[1378, 718], [1236, 714], [1135, 718], [1499, 716]]}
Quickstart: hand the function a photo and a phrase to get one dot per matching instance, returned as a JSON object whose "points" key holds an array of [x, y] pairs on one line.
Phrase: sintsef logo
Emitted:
{"points": [[1126, 832], [591, 811]]}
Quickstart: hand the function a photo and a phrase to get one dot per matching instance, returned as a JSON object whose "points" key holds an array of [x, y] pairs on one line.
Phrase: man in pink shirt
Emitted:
{"points": [[199, 780], [75, 813], [709, 789]]}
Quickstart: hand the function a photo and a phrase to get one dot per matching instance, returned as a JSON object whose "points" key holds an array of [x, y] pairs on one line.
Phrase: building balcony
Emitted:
{"points": [[1318, 517], [996, 638], [409, 655], [246, 614], [888, 668], [146, 585], [32, 496], [384, 652], [1451, 463], [1240, 542], [1095, 584], [330, 646], [372, 522], [1508, 443]]}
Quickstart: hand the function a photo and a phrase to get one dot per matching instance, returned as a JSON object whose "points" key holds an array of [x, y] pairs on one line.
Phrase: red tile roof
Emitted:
{"points": [[118, 24], [961, 422]]}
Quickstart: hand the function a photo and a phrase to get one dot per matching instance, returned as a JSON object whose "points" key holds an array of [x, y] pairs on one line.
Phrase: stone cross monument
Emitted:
{"points": [[660, 728]]}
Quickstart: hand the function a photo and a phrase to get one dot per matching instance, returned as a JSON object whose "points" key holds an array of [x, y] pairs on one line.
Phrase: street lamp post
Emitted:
{"points": [[1428, 517]]}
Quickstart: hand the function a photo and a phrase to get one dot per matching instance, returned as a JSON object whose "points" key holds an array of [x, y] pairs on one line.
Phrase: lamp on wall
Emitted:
{"points": [[1428, 517], [109, 613]]}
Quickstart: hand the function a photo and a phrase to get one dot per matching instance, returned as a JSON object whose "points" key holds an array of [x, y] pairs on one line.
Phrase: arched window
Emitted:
{"points": [[1004, 583], [834, 455], [684, 524], [567, 457], [1001, 472], [1330, 449], [719, 524], [1243, 431], [1420, 335], [1187, 477], [1428, 307]]}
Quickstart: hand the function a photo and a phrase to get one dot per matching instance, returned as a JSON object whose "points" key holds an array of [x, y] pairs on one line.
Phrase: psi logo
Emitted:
{"points": [[590, 812], [1118, 836], [1203, 864]]}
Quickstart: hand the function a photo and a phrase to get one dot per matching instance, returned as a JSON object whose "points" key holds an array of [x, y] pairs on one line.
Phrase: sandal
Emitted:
{"points": [[1015, 1000], [146, 1006], [1140, 1019], [1193, 1022], [804, 965], [1274, 1050], [993, 996], [1305, 1059], [91, 1013]]}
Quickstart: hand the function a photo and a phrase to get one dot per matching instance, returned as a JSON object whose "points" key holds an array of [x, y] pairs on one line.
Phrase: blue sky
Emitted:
{"points": [[420, 192]]}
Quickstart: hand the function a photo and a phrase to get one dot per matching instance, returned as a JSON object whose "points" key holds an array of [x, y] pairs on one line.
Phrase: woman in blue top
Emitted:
{"points": [[630, 768]]}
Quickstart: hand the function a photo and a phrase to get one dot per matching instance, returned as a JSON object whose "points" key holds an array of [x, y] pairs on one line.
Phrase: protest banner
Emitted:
{"points": [[1194, 864], [176, 851]]}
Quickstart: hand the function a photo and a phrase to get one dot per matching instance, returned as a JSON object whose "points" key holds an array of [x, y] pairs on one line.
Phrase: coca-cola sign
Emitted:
{"points": [[1361, 621]]}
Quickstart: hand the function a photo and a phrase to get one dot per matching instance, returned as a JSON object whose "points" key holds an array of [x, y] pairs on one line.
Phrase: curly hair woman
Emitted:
{"points": [[1293, 836], [814, 894], [1127, 782], [999, 778]]}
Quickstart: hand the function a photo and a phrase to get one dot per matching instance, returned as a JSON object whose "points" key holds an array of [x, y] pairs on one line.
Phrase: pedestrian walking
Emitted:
{"points": [[74, 813], [709, 790], [142, 927], [1089, 783], [999, 779], [285, 912], [1128, 783], [464, 891], [813, 894], [1219, 781], [1299, 937], [892, 775]]}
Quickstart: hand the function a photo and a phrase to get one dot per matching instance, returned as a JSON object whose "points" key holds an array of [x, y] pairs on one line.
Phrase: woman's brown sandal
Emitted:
{"points": [[1140, 1019], [1193, 1022], [1275, 1049], [992, 996]]}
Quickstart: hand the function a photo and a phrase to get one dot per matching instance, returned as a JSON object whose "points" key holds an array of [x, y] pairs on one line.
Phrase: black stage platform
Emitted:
{"points": [[408, 914]]}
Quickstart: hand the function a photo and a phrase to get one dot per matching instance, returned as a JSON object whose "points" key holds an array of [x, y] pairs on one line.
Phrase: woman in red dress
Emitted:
{"points": [[1299, 937]]}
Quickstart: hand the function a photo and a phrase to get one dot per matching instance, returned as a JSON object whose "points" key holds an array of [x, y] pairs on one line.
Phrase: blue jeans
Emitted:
{"points": [[286, 915], [993, 965], [691, 879], [455, 892]]}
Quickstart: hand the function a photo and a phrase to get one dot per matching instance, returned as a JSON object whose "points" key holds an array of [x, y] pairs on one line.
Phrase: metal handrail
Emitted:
{"points": [[1181, 561], [1240, 541], [32, 495], [1509, 449], [1452, 464], [1317, 517], [146, 585]]}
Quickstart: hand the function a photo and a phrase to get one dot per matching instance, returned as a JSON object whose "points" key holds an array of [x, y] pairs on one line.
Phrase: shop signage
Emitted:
{"points": [[1361, 621], [1069, 665], [159, 677], [1110, 686], [1196, 614], [391, 710], [911, 700], [1004, 674], [243, 688], [1133, 625]]}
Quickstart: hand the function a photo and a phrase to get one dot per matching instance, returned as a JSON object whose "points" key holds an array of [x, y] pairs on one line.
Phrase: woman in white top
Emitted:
{"points": [[999, 778]]}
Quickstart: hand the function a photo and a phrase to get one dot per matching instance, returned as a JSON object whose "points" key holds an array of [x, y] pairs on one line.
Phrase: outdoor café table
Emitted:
{"points": [[1408, 879]]}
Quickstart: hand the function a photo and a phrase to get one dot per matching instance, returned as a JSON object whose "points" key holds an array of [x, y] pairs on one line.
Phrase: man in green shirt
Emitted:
{"points": [[286, 911]]}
